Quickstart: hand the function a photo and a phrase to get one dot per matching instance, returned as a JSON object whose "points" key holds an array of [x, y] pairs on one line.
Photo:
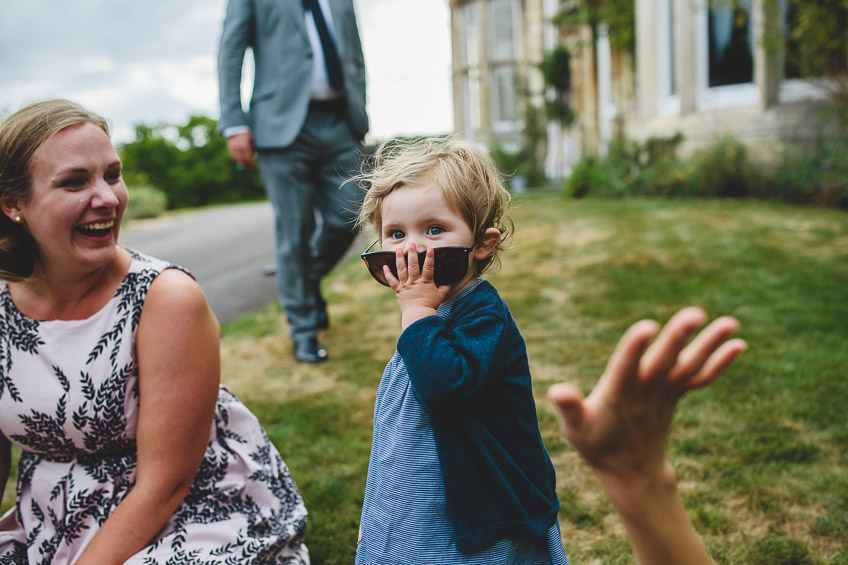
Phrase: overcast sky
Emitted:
{"points": [[154, 61]]}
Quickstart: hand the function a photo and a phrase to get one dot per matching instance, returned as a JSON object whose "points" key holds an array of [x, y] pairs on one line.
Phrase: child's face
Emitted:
{"points": [[421, 215]]}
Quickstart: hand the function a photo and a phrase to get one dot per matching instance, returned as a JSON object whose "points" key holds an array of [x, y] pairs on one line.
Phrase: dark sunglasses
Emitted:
{"points": [[450, 263]]}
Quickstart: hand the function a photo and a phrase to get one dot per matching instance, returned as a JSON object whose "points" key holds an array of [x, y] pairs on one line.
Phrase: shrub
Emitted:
{"points": [[145, 202], [598, 178], [723, 169], [191, 164], [816, 173], [667, 176]]}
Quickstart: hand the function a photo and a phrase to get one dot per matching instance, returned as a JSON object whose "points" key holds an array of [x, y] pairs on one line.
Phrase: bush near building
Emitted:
{"points": [[815, 173]]}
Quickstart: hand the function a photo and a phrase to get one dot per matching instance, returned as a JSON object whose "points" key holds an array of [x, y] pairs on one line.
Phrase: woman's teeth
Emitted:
{"points": [[96, 228]]}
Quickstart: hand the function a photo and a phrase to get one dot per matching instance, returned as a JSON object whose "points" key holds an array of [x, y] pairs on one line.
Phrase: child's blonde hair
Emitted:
{"points": [[466, 174]]}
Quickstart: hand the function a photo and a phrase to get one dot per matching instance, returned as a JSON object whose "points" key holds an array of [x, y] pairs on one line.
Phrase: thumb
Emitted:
{"points": [[569, 402]]}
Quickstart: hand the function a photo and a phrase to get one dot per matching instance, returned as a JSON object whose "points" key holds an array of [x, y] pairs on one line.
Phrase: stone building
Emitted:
{"points": [[698, 68]]}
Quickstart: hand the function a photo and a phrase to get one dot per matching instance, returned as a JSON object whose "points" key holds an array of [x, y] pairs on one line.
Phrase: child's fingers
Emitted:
{"points": [[693, 357], [390, 278], [662, 355], [412, 266], [428, 270], [400, 264], [624, 361], [717, 362], [569, 402]]}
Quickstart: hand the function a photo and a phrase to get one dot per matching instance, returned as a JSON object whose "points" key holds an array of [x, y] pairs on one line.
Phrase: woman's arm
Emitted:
{"points": [[622, 427], [5, 463], [179, 370]]}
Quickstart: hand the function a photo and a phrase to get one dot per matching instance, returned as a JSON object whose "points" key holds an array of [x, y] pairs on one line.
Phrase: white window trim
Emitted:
{"points": [[729, 96], [501, 127], [667, 103], [800, 90]]}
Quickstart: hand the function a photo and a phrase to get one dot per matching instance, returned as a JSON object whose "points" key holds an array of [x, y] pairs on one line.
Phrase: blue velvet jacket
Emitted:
{"points": [[471, 374]]}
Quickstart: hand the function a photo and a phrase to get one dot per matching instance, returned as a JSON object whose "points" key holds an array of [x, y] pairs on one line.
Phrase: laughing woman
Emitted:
{"points": [[131, 451]]}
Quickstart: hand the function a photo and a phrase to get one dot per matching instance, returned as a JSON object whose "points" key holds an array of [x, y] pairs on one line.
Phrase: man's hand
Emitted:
{"points": [[242, 150]]}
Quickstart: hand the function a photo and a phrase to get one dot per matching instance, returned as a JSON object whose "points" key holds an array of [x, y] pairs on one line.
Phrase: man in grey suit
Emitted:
{"points": [[306, 123]]}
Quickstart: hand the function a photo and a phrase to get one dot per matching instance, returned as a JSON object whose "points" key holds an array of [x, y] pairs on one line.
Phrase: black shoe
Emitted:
{"points": [[323, 320], [308, 350]]}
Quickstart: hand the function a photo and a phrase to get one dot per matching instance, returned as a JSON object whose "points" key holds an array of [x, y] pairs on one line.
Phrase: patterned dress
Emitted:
{"points": [[69, 397]]}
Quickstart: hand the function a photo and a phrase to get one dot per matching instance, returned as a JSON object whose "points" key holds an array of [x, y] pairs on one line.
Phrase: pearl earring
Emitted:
{"points": [[18, 219]]}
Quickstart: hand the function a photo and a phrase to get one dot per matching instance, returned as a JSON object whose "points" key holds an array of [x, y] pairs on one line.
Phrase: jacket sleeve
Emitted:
{"points": [[236, 36], [449, 366]]}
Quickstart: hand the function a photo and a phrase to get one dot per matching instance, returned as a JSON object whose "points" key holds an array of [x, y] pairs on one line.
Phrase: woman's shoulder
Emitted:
{"points": [[142, 262]]}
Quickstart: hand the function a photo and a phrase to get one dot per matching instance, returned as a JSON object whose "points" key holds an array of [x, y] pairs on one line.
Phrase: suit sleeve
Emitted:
{"points": [[236, 36], [450, 366], [358, 57]]}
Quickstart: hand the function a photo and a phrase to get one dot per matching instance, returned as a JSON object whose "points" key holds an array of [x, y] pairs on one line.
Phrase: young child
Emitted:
{"points": [[458, 472]]}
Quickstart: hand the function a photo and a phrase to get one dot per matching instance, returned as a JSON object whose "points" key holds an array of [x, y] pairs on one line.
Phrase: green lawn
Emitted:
{"points": [[761, 454]]}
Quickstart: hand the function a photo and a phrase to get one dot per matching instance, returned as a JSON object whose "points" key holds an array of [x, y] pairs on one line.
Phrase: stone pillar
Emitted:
{"points": [[646, 58], [686, 67], [766, 20]]}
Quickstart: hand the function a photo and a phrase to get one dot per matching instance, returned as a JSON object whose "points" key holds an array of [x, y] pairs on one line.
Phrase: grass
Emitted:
{"points": [[761, 454]]}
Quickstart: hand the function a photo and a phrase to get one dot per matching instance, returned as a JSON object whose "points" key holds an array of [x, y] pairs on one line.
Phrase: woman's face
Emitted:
{"points": [[76, 201]]}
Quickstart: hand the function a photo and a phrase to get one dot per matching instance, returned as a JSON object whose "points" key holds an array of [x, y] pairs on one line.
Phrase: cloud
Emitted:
{"points": [[407, 54], [155, 62]]}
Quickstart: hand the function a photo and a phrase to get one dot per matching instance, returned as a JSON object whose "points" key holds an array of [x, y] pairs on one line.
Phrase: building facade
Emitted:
{"points": [[700, 68]]}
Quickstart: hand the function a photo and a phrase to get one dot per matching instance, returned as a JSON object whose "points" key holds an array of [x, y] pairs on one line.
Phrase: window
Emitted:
{"points": [[804, 59], [504, 99], [469, 44], [503, 42], [469, 47], [731, 43], [725, 54], [504, 16]]}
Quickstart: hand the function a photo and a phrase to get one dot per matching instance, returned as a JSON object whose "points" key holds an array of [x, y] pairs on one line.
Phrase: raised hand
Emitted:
{"points": [[622, 427]]}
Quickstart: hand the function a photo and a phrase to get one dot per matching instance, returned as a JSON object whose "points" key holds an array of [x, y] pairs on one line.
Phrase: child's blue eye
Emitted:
{"points": [[396, 234], [434, 230]]}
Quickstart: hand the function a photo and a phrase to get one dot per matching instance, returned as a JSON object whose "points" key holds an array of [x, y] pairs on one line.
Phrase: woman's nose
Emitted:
{"points": [[104, 196]]}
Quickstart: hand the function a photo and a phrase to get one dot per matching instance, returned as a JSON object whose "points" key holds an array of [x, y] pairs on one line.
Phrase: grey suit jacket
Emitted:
{"points": [[276, 32]]}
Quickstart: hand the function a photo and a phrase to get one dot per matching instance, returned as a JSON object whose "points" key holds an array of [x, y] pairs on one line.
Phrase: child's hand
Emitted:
{"points": [[416, 292], [622, 427]]}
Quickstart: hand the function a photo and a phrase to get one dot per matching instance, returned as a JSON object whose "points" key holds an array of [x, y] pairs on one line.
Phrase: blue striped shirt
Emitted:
{"points": [[405, 518]]}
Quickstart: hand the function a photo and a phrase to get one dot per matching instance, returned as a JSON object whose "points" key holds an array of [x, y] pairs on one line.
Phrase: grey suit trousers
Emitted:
{"points": [[315, 207]]}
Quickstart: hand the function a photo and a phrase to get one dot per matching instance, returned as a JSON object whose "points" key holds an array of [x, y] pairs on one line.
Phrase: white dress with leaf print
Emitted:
{"points": [[69, 399]]}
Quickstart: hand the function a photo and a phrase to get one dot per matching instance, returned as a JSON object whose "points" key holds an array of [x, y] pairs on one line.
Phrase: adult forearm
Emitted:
{"points": [[133, 524], [653, 514]]}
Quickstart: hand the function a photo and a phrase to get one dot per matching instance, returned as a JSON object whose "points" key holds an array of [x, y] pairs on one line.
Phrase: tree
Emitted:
{"points": [[189, 163]]}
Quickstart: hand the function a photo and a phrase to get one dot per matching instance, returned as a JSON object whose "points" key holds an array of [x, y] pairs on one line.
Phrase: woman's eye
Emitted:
{"points": [[73, 182], [113, 176], [435, 230]]}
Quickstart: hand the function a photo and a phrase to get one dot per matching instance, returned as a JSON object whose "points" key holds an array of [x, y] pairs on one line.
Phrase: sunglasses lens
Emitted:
{"points": [[451, 264], [375, 262]]}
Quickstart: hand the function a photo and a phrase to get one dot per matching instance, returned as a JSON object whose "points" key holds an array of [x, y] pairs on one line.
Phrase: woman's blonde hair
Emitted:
{"points": [[466, 174], [21, 134]]}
